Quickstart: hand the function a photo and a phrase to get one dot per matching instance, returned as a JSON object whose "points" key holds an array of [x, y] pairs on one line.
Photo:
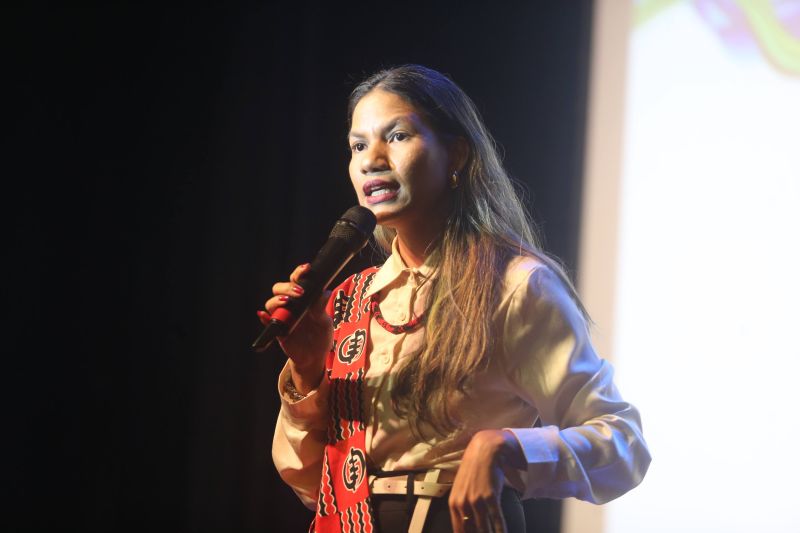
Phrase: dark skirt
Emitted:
{"points": [[393, 513]]}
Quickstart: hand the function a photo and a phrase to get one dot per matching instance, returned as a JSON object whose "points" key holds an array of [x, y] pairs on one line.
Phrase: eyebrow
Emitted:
{"points": [[388, 127]]}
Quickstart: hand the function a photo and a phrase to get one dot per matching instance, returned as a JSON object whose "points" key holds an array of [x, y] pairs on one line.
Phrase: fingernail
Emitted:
{"points": [[297, 289], [261, 313], [283, 298], [306, 266]]}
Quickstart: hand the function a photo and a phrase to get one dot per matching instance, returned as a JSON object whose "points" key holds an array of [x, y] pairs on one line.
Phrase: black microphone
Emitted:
{"points": [[349, 235]]}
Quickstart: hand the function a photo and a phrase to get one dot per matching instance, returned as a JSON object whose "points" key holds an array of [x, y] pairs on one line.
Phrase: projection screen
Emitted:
{"points": [[690, 256]]}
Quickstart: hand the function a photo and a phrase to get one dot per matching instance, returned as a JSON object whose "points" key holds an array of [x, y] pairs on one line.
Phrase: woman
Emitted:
{"points": [[468, 332]]}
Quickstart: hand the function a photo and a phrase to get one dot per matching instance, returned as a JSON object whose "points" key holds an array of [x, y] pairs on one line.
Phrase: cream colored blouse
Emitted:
{"points": [[590, 445]]}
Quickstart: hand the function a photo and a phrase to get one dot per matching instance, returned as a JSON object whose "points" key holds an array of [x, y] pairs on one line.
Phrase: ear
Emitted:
{"points": [[459, 154]]}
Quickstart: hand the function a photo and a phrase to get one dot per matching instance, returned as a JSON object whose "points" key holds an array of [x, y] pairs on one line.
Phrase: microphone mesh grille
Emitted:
{"points": [[356, 223], [346, 232], [361, 217]]}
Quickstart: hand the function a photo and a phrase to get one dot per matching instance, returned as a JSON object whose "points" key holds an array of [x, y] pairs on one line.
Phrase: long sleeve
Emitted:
{"points": [[299, 440], [590, 445]]}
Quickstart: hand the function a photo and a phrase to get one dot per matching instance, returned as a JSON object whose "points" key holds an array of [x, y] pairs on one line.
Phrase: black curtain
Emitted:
{"points": [[166, 167]]}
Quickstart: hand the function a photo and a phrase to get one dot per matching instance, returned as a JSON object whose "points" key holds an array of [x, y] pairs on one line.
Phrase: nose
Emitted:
{"points": [[374, 158]]}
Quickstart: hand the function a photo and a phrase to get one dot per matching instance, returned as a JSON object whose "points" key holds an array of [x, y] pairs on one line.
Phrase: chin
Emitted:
{"points": [[384, 213], [384, 219]]}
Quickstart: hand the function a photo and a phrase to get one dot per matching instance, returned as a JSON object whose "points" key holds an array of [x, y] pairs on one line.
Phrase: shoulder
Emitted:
{"points": [[519, 270], [525, 273], [534, 286]]}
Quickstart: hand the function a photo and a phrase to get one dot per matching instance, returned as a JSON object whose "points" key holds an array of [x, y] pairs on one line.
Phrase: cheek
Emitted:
{"points": [[354, 179], [430, 172]]}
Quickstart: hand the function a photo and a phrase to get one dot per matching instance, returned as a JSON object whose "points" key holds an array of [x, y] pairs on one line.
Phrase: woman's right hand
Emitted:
{"points": [[311, 339]]}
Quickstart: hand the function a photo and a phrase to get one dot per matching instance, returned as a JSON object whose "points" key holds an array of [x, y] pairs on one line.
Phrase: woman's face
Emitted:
{"points": [[398, 165]]}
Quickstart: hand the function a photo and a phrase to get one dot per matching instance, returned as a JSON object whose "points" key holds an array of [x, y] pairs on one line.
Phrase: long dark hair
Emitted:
{"points": [[486, 227]]}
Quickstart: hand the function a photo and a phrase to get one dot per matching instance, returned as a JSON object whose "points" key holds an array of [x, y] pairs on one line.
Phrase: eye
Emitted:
{"points": [[358, 147], [398, 136]]}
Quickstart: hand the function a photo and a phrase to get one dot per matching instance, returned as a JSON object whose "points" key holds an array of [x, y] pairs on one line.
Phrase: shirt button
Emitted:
{"points": [[385, 359]]}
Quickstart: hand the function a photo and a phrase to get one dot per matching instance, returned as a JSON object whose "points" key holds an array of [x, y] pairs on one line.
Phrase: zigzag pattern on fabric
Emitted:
{"points": [[327, 500], [344, 505]]}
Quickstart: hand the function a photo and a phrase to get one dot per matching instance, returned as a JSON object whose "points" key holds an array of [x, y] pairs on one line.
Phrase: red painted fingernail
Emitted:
{"points": [[283, 298], [261, 313], [297, 289], [306, 266]]}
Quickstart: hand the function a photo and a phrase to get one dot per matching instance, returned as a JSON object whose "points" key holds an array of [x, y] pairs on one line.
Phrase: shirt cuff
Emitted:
{"points": [[310, 412], [540, 448]]}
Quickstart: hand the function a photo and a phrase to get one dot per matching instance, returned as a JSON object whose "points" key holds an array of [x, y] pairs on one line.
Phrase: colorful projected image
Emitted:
{"points": [[706, 285], [769, 28]]}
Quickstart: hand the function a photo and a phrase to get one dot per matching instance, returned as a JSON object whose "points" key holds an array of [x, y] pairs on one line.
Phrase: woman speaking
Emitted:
{"points": [[411, 393]]}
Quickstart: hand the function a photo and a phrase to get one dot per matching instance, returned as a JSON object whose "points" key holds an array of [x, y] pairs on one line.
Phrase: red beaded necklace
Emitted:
{"points": [[411, 325]]}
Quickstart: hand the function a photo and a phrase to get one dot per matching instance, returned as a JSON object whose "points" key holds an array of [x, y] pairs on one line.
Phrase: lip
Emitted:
{"points": [[373, 185]]}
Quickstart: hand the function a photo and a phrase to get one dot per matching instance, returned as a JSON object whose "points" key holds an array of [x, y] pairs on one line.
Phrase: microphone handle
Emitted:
{"points": [[330, 260]]}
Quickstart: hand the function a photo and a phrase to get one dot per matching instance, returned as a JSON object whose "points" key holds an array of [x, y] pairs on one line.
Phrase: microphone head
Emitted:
{"points": [[355, 226], [360, 217]]}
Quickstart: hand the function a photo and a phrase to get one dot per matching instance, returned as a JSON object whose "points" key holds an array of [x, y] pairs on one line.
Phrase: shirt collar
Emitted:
{"points": [[394, 267]]}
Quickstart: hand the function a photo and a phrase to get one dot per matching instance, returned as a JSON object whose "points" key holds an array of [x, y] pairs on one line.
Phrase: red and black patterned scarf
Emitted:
{"points": [[344, 504]]}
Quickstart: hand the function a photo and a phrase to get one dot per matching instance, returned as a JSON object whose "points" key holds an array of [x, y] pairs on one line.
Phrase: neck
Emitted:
{"points": [[415, 242], [412, 253]]}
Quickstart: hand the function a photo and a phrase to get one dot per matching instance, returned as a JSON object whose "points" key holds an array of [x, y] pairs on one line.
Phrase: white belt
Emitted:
{"points": [[399, 485], [426, 489]]}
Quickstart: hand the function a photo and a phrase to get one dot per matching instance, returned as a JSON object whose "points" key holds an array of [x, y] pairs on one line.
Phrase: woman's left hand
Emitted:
{"points": [[475, 496]]}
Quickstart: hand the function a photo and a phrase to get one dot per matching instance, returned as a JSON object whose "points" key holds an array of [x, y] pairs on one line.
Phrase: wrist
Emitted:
{"points": [[305, 379], [502, 446], [291, 392]]}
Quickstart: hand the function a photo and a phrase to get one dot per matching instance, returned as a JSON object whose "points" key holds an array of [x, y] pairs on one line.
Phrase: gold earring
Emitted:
{"points": [[454, 179]]}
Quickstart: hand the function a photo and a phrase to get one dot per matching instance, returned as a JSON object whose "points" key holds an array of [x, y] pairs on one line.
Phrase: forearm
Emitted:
{"points": [[306, 378], [591, 444], [297, 455], [596, 461], [299, 439], [501, 447]]}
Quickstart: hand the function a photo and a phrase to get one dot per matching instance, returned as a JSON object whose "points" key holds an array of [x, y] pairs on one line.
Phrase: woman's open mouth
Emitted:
{"points": [[379, 191]]}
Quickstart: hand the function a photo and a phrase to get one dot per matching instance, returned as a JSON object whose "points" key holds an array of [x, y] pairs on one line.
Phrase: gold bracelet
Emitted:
{"points": [[291, 391]]}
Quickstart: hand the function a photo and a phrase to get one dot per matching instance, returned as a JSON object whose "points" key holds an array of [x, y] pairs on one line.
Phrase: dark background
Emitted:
{"points": [[164, 168]]}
